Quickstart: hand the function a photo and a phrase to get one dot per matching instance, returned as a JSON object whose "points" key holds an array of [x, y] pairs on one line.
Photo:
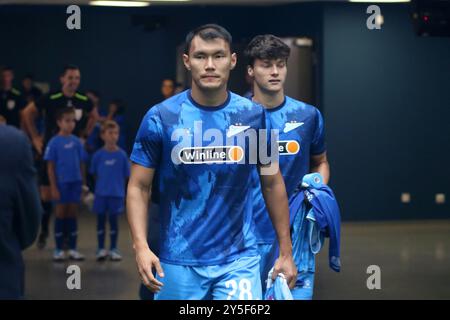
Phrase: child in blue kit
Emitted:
{"points": [[111, 168], [65, 158]]}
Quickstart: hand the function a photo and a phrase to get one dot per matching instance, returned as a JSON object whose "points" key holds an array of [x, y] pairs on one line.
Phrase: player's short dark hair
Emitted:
{"points": [[207, 32], [68, 67], [62, 112], [109, 124], [264, 47]]}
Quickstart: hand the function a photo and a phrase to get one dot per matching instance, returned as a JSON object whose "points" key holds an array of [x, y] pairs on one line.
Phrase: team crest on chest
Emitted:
{"points": [[291, 125]]}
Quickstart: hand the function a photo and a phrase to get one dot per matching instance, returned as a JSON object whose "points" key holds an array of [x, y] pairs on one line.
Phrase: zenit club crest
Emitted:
{"points": [[216, 154], [288, 147]]}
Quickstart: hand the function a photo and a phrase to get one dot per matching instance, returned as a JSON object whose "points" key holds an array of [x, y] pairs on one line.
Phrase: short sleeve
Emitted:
{"points": [[50, 151], [318, 143], [147, 146], [42, 103], [22, 102]]}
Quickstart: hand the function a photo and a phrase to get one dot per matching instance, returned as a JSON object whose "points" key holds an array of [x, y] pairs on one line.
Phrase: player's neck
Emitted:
{"points": [[111, 147], [269, 100], [68, 93], [211, 98], [64, 133]]}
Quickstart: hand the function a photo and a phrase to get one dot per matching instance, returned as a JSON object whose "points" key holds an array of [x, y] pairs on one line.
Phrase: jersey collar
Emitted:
{"points": [[272, 109], [208, 108]]}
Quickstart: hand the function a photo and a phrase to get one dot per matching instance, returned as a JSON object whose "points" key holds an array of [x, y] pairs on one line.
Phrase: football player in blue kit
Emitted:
{"points": [[301, 142], [200, 143]]}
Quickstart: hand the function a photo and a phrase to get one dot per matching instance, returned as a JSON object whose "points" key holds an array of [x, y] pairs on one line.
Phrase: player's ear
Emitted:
{"points": [[250, 71], [186, 61], [233, 60]]}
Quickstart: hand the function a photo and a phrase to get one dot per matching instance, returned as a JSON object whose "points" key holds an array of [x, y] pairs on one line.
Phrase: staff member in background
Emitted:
{"points": [[11, 100], [48, 106], [20, 209], [167, 88], [30, 92]]}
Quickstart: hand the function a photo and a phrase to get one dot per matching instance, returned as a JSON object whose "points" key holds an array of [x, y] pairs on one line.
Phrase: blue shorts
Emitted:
{"points": [[111, 205], [69, 192], [304, 286], [267, 257], [237, 280]]}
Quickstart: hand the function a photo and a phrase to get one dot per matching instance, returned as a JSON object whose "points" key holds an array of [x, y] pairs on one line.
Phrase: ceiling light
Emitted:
{"points": [[381, 1], [119, 3]]}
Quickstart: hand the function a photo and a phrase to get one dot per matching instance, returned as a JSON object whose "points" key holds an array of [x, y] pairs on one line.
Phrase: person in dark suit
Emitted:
{"points": [[20, 209]]}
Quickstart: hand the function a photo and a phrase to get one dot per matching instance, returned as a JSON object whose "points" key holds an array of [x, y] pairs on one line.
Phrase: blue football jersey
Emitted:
{"points": [[67, 153], [111, 170], [301, 134], [205, 157]]}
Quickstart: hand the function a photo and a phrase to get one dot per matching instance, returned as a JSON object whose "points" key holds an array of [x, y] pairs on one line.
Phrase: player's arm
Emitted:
{"points": [[274, 192], [29, 115], [52, 178], [138, 195], [319, 163], [22, 121]]}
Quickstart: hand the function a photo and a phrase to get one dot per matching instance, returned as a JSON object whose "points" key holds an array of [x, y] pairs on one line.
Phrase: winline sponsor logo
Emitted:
{"points": [[288, 147], [216, 154]]}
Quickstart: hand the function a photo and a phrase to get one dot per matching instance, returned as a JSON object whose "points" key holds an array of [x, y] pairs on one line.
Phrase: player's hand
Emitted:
{"points": [[85, 189], [55, 193], [286, 266], [38, 144], [146, 260]]}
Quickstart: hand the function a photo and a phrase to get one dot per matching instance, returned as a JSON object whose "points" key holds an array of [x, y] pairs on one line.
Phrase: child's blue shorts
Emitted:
{"points": [[110, 205]]}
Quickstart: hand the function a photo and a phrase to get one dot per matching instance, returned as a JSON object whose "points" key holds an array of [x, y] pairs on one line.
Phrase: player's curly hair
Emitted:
{"points": [[266, 46], [207, 32]]}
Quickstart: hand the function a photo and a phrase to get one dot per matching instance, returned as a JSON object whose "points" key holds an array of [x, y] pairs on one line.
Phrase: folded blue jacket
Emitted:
{"points": [[314, 215], [325, 215]]}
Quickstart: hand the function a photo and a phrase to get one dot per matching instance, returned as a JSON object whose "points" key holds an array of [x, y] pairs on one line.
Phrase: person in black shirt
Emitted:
{"points": [[11, 100], [29, 91], [48, 106]]}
